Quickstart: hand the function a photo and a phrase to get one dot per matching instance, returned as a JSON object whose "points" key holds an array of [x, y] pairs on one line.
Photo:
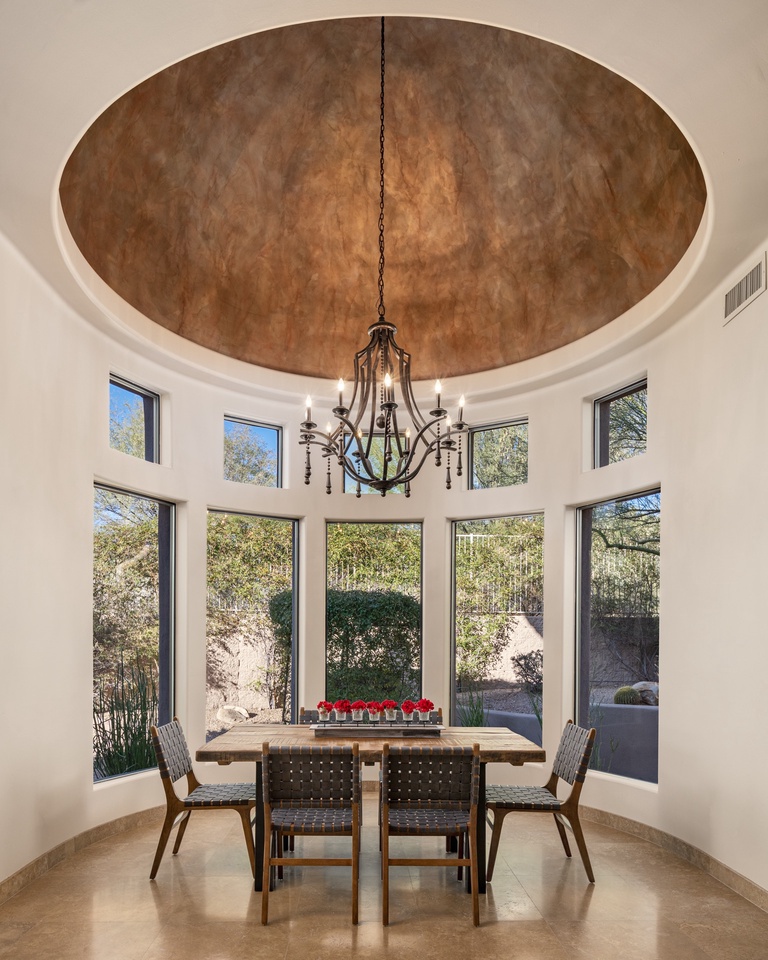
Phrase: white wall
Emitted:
{"points": [[707, 412]]}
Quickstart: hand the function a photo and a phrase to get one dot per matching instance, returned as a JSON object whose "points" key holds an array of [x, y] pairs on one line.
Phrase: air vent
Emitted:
{"points": [[745, 291]]}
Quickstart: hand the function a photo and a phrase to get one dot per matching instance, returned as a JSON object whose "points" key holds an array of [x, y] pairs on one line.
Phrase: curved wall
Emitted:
{"points": [[706, 423]]}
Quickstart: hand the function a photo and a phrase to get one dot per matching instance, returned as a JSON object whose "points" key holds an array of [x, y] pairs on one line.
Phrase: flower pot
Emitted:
{"points": [[357, 716], [390, 715], [340, 716], [407, 718], [423, 716], [374, 716], [323, 716]]}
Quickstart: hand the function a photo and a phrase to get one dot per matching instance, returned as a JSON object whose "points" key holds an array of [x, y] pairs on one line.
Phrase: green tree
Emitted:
{"points": [[628, 425], [250, 562], [127, 429], [499, 573], [373, 641], [373, 610], [125, 580], [500, 456], [247, 456]]}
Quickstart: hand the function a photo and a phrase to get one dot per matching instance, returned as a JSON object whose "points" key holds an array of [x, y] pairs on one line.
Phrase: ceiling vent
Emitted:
{"points": [[746, 290]]}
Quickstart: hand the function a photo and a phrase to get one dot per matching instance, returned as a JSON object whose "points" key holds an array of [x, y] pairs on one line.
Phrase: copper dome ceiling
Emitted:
{"points": [[532, 195]]}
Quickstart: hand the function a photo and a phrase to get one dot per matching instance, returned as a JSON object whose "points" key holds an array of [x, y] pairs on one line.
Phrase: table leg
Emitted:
{"points": [[258, 826], [480, 840]]}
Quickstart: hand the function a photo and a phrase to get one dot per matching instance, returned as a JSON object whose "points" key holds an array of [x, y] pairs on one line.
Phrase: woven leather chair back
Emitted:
{"points": [[171, 749], [573, 753], [445, 777], [304, 777]]}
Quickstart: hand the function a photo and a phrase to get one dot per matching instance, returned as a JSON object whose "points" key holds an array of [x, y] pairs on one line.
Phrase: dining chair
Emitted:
{"points": [[174, 762], [308, 716], [571, 762], [310, 791], [429, 792]]}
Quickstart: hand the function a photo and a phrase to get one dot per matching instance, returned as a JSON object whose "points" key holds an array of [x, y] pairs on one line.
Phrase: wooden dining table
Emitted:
{"points": [[243, 743]]}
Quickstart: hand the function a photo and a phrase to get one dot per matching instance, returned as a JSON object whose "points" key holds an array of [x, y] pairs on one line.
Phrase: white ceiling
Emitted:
{"points": [[704, 61]]}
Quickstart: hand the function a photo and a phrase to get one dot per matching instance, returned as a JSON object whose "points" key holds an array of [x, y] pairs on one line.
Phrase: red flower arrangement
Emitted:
{"points": [[425, 706], [389, 705], [408, 706], [342, 706], [325, 706], [358, 705], [374, 706]]}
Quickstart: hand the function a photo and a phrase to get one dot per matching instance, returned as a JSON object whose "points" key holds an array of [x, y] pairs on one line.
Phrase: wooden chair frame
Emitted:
{"points": [[174, 763], [430, 791], [310, 791], [571, 763]]}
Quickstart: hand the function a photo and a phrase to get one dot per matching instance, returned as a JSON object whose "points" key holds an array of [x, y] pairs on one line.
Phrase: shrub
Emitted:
{"points": [[124, 708]]}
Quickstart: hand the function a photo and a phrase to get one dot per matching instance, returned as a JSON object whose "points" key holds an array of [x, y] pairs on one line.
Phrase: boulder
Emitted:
{"points": [[229, 713], [649, 692]]}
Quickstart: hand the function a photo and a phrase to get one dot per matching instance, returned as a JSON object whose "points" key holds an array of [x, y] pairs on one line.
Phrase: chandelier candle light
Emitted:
{"points": [[369, 444]]}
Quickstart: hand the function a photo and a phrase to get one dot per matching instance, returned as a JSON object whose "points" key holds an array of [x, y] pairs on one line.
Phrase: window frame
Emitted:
{"points": [[295, 588], [482, 428], [391, 523], [247, 422], [583, 607], [167, 600], [151, 403], [454, 524], [601, 421]]}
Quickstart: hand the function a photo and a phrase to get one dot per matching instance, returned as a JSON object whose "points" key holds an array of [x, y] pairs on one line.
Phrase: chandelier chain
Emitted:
{"points": [[382, 439], [381, 307]]}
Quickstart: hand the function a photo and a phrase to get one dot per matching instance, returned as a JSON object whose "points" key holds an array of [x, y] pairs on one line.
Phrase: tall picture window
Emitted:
{"points": [[134, 420], [498, 567], [498, 455], [133, 590], [251, 620], [618, 649], [252, 453], [621, 424], [373, 611]]}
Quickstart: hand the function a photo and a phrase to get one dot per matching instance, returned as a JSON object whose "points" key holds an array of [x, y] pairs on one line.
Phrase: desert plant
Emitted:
{"points": [[124, 708], [471, 708], [628, 695]]}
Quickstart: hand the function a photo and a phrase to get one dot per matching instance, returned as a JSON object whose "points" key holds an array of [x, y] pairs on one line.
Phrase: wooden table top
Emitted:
{"points": [[244, 742]]}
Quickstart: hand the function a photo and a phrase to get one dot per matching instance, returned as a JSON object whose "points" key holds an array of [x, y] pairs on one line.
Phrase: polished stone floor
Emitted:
{"points": [[646, 904]]}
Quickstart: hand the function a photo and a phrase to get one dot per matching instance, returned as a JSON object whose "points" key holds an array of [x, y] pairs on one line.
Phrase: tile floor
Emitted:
{"points": [[646, 904]]}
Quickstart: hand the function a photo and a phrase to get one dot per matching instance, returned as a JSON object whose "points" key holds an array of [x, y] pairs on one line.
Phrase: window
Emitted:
{"points": [[498, 456], [133, 420], [373, 611], [251, 617], [621, 424], [133, 572], [498, 569], [618, 650], [252, 453]]}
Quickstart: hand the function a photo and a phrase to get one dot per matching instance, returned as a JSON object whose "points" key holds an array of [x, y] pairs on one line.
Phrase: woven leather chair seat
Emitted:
{"points": [[313, 820], [221, 795], [435, 823], [521, 798]]}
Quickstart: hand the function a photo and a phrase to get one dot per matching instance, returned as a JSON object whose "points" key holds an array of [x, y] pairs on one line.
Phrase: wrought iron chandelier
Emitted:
{"points": [[369, 443]]}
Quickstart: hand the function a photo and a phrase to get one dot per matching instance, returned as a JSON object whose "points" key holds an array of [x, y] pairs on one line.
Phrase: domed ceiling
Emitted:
{"points": [[532, 196]]}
